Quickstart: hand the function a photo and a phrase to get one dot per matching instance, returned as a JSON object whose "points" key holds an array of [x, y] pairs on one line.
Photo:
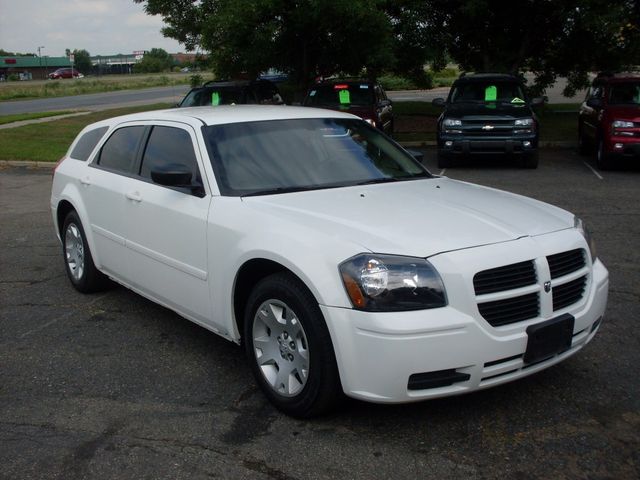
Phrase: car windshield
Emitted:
{"points": [[345, 94], [625, 94], [279, 156], [214, 96], [487, 92]]}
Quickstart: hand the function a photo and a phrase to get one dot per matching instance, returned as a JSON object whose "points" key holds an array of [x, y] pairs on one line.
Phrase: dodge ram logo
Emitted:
{"points": [[547, 287]]}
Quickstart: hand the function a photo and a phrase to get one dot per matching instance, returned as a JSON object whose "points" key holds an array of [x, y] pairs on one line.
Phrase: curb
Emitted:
{"points": [[27, 164]]}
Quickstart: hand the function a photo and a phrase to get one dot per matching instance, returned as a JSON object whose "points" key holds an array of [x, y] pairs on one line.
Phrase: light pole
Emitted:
{"points": [[40, 57]]}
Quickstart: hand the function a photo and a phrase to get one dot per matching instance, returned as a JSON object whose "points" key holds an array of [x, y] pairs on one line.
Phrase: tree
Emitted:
{"points": [[305, 39], [550, 38], [155, 60]]}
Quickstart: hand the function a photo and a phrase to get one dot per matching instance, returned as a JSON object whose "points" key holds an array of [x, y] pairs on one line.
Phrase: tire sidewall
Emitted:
{"points": [[91, 280], [321, 358]]}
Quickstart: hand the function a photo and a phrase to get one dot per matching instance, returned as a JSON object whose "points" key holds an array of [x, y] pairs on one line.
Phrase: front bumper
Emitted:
{"points": [[378, 353], [450, 145], [624, 147]]}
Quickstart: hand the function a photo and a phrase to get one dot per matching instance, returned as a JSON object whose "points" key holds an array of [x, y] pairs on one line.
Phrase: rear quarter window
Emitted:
{"points": [[120, 150], [87, 143]]}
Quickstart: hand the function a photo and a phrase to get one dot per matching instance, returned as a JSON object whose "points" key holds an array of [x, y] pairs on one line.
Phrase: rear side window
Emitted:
{"points": [[119, 151], [169, 146], [87, 143]]}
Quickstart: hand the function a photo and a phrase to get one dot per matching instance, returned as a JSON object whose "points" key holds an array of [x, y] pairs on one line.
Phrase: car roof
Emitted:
{"points": [[483, 77], [333, 81], [224, 114], [619, 78]]}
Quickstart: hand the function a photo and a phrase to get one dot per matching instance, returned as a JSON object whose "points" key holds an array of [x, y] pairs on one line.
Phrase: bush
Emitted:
{"points": [[195, 80]]}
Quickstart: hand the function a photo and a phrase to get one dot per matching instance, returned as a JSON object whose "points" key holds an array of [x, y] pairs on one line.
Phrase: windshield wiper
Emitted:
{"points": [[377, 180], [277, 190]]}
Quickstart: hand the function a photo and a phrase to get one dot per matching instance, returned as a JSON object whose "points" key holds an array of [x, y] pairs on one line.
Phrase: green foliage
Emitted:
{"points": [[82, 61], [195, 80], [154, 61]]}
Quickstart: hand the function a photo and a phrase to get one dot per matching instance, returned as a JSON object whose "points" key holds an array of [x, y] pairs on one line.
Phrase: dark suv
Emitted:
{"points": [[363, 98], [609, 119], [487, 114], [233, 92]]}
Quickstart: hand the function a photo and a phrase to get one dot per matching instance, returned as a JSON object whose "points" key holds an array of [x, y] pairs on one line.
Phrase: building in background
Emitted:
{"points": [[28, 68]]}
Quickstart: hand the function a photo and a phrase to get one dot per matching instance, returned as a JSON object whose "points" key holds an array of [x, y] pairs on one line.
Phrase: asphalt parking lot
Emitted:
{"points": [[113, 386]]}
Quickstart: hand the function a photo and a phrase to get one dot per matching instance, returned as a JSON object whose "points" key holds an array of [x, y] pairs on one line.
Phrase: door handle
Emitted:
{"points": [[85, 181], [135, 196]]}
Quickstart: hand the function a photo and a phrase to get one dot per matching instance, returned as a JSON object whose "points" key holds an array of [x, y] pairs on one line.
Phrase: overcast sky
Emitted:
{"points": [[102, 27]]}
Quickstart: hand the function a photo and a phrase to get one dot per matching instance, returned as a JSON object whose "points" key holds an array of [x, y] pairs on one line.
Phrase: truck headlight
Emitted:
{"points": [[390, 283], [622, 124], [582, 228], [524, 122], [452, 122]]}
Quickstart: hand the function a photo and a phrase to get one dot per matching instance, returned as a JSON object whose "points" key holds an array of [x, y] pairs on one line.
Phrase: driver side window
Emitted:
{"points": [[169, 146]]}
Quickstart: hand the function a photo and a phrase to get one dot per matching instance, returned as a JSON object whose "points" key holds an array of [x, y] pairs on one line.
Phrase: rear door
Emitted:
{"points": [[102, 187], [167, 226]]}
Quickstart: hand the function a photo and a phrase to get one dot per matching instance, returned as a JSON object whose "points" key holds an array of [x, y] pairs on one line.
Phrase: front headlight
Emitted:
{"points": [[524, 122], [622, 124], [389, 283], [582, 228], [452, 122]]}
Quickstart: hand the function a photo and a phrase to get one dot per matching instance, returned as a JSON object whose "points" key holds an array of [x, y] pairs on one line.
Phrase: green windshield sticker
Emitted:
{"points": [[215, 99], [490, 93], [344, 96], [517, 100]]}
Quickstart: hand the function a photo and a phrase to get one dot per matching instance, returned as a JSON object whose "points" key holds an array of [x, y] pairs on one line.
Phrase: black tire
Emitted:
{"points": [[583, 146], [603, 160], [321, 390], [530, 160], [88, 279], [444, 161]]}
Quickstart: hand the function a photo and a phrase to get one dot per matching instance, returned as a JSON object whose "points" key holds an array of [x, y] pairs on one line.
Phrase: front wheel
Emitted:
{"points": [[289, 348], [82, 272], [603, 161]]}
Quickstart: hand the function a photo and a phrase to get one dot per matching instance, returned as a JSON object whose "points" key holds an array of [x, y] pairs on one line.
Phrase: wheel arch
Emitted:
{"points": [[248, 276]]}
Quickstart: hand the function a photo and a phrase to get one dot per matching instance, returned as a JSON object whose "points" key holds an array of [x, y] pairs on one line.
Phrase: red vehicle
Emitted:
{"points": [[65, 73], [609, 120], [363, 98]]}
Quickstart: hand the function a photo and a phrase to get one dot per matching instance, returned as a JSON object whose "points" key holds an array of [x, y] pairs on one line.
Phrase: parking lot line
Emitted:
{"points": [[593, 170], [442, 171]]}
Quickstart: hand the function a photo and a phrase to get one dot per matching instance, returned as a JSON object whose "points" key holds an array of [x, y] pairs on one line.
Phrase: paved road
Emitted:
{"points": [[101, 101], [113, 386], [97, 101]]}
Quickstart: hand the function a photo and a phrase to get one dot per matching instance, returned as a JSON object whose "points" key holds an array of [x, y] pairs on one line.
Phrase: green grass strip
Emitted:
{"points": [[49, 141], [30, 116]]}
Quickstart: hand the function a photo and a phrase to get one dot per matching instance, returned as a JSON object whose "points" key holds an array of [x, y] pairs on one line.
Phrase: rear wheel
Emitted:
{"points": [[79, 265], [289, 348], [603, 160]]}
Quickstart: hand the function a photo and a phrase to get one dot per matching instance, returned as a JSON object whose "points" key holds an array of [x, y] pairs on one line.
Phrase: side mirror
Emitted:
{"points": [[538, 101], [384, 103], [176, 175], [419, 156], [594, 103], [438, 102]]}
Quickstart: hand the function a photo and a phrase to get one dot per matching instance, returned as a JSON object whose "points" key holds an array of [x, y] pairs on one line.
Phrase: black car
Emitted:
{"points": [[363, 98], [487, 114], [233, 92]]}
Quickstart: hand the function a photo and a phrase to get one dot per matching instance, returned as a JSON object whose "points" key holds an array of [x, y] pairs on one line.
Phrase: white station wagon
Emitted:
{"points": [[336, 259]]}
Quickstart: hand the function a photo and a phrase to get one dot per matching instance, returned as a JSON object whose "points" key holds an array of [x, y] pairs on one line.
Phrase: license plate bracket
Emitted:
{"points": [[549, 338]]}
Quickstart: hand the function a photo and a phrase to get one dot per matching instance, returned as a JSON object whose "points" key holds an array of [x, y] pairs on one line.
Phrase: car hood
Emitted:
{"points": [[461, 110], [417, 218], [624, 112]]}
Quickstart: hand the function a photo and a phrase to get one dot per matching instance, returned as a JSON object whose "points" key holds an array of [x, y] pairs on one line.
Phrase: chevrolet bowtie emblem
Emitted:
{"points": [[488, 127]]}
